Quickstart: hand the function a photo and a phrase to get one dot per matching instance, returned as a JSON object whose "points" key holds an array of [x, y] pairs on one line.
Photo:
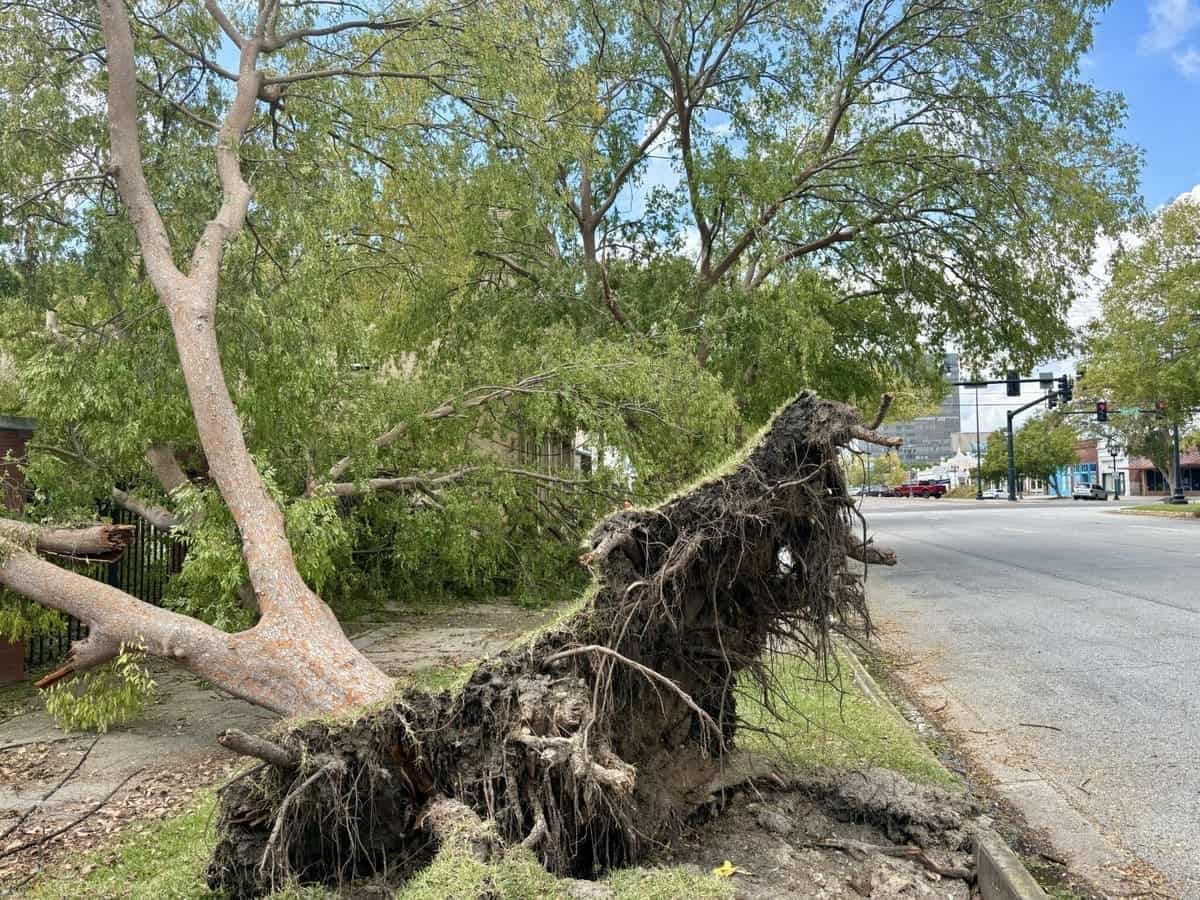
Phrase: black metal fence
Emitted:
{"points": [[152, 558]]}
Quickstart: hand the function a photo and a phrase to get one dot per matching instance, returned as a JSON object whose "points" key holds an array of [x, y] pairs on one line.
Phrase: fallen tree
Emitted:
{"points": [[599, 738], [590, 744]]}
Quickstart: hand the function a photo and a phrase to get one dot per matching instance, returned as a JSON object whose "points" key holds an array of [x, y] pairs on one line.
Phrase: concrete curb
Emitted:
{"points": [[999, 872]]}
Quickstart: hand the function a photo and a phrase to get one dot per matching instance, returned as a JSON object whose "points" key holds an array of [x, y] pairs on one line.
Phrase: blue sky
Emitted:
{"points": [[1149, 50]]}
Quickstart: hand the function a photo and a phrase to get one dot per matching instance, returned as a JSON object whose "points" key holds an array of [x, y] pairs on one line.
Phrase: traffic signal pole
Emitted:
{"points": [[1177, 495], [1012, 456]]}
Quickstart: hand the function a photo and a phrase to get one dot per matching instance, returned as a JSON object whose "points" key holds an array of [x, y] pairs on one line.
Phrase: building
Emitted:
{"points": [[930, 439], [15, 433], [1146, 481]]}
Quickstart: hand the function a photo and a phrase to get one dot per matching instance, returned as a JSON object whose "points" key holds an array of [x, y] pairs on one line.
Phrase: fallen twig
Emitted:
{"points": [[1036, 725], [53, 834], [861, 850], [54, 790]]}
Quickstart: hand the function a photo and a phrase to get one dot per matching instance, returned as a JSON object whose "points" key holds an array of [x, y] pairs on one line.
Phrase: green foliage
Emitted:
{"points": [[1041, 446], [21, 619], [108, 695], [1145, 346], [891, 469], [410, 247]]}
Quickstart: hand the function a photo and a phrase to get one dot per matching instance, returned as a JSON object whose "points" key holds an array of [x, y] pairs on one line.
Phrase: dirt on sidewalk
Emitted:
{"points": [[153, 766]]}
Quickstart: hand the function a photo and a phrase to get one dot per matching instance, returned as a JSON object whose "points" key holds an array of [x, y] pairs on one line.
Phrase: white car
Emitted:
{"points": [[1089, 492], [995, 494]]}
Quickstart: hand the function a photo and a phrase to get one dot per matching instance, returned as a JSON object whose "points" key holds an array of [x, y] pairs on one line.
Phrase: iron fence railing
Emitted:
{"points": [[150, 561]]}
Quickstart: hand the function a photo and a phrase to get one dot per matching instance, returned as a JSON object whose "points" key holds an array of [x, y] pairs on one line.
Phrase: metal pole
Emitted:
{"points": [[1116, 478], [1177, 496], [1012, 462], [978, 453]]}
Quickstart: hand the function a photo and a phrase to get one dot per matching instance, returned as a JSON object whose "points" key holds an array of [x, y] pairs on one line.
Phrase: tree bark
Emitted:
{"points": [[297, 658], [92, 543]]}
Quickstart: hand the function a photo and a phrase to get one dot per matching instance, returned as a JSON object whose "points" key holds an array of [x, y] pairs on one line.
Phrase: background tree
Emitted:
{"points": [[1145, 346], [1041, 446], [414, 282], [891, 470]]}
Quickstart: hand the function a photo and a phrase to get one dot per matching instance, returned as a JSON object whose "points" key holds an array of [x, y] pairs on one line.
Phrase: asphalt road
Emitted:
{"points": [[1070, 615]]}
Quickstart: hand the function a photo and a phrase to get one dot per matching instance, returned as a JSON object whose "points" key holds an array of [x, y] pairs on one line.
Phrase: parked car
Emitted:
{"points": [[920, 489], [995, 494], [1089, 492]]}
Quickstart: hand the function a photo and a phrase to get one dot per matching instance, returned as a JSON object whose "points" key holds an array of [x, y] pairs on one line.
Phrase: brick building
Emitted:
{"points": [[15, 433]]}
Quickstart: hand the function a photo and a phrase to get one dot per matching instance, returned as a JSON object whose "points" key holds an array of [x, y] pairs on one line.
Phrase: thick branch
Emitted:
{"points": [[126, 149], [885, 404], [92, 543], [165, 466], [871, 553], [871, 436], [161, 518], [94, 650], [259, 747], [297, 671]]}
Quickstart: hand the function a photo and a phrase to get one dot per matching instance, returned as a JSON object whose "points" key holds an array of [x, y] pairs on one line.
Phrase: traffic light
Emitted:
{"points": [[1014, 384], [1051, 401], [1160, 407], [1066, 388], [1101, 411]]}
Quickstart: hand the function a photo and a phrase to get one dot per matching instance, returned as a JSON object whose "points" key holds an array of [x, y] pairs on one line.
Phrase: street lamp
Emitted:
{"points": [[1112, 451], [978, 451]]}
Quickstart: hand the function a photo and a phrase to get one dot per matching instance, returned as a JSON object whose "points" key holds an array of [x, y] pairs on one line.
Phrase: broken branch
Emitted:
{"points": [[259, 747], [91, 543]]}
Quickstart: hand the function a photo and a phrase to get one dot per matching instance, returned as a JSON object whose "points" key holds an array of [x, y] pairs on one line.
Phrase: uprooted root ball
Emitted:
{"points": [[601, 737]]}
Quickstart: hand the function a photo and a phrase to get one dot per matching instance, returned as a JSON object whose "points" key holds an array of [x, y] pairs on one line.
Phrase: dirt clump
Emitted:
{"points": [[838, 835]]}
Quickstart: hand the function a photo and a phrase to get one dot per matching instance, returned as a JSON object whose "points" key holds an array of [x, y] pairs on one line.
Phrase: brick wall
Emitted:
{"points": [[15, 433]]}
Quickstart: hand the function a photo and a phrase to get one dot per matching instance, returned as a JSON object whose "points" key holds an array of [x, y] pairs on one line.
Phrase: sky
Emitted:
{"points": [[1149, 51]]}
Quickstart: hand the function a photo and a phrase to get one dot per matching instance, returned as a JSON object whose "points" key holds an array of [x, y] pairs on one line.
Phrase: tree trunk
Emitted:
{"points": [[603, 735]]}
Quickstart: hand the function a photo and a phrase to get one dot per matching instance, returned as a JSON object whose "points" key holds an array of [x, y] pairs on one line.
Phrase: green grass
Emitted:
{"points": [[1191, 511], [823, 724], [148, 861], [829, 722]]}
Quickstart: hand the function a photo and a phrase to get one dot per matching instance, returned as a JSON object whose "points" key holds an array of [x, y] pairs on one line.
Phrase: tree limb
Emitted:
{"points": [[482, 396], [884, 404], [160, 517], [259, 747], [871, 553], [91, 543]]}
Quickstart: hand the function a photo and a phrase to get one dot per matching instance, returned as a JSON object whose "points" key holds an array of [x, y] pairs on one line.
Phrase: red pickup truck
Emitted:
{"points": [[920, 489]]}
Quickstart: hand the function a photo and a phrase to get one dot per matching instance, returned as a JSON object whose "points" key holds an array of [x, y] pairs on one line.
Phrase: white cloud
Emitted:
{"points": [[1188, 62], [1170, 22]]}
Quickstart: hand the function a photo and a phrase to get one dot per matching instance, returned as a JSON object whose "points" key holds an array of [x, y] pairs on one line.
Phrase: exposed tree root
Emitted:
{"points": [[601, 737]]}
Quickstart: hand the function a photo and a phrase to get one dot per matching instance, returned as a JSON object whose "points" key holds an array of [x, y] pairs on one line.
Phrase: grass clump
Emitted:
{"points": [[455, 874], [163, 861], [1165, 510], [668, 884], [828, 721]]}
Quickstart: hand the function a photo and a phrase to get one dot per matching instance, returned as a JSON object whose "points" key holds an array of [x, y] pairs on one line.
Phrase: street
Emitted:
{"points": [[1049, 615]]}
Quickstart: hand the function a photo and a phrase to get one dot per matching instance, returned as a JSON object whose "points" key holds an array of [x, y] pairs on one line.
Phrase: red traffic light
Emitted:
{"points": [[1101, 411], [1160, 405]]}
